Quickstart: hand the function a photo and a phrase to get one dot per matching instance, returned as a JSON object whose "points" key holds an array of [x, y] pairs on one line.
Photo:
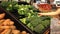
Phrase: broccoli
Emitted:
{"points": [[23, 20], [35, 21], [6, 5], [39, 28], [9, 5], [30, 26], [9, 8], [23, 10], [45, 23]]}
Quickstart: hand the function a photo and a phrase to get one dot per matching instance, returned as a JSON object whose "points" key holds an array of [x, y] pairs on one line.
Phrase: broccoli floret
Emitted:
{"points": [[30, 26], [23, 20], [16, 6], [35, 22]]}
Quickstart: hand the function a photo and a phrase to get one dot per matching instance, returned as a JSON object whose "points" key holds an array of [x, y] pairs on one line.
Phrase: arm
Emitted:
{"points": [[51, 13]]}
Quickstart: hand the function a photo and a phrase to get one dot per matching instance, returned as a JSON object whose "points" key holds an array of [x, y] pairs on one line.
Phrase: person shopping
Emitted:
{"points": [[55, 21]]}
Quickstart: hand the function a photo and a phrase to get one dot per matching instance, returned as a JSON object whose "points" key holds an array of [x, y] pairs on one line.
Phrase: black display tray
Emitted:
{"points": [[17, 23]]}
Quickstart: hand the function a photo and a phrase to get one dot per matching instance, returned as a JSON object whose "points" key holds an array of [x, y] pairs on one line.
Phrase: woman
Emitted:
{"points": [[55, 21]]}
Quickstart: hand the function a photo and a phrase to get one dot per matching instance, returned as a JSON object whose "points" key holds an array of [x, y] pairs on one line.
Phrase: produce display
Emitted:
{"points": [[7, 26], [32, 19]]}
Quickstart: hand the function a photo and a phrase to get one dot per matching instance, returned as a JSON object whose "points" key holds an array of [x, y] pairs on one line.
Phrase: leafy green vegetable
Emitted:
{"points": [[25, 10], [45, 23], [35, 21], [9, 5], [23, 20], [15, 5], [6, 5], [39, 28], [30, 26]]}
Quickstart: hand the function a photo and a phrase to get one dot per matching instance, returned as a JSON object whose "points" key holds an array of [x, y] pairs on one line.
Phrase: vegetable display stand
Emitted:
{"points": [[27, 15]]}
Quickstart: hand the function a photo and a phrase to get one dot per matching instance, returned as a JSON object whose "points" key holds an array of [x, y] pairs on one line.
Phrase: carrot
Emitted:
{"points": [[1, 21], [16, 32], [6, 22], [1, 30], [11, 23], [23, 32], [2, 15], [12, 27], [4, 27], [5, 31]]}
